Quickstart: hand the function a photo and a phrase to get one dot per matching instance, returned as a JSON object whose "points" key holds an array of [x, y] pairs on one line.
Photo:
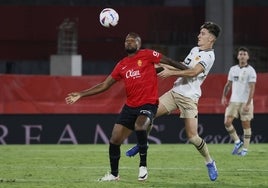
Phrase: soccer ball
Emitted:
{"points": [[109, 17]]}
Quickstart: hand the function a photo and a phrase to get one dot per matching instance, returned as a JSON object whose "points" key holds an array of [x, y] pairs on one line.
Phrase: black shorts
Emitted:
{"points": [[128, 115]]}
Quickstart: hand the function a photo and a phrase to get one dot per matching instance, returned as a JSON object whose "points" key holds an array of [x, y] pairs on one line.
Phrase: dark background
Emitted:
{"points": [[29, 31], [95, 128]]}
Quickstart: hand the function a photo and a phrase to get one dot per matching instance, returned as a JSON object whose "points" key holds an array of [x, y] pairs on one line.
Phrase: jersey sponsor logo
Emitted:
{"points": [[236, 78], [133, 74]]}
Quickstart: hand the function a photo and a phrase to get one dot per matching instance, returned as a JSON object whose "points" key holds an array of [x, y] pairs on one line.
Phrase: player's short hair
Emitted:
{"points": [[135, 35], [212, 28], [243, 48]]}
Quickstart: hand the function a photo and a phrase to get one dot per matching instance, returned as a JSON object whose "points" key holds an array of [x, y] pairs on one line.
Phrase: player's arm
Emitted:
{"points": [[158, 68], [226, 89], [167, 61], [190, 72], [251, 92], [99, 88]]}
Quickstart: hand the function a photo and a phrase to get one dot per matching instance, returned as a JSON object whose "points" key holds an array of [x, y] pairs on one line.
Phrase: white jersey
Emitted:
{"points": [[191, 86], [240, 78]]}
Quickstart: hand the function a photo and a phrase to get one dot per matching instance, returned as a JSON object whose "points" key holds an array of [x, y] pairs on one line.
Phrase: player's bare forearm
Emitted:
{"points": [[75, 96], [251, 92], [99, 88], [168, 61], [225, 91], [179, 65], [94, 90], [227, 88]]}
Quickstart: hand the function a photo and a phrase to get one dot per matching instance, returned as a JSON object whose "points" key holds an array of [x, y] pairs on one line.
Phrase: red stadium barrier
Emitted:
{"points": [[21, 94]]}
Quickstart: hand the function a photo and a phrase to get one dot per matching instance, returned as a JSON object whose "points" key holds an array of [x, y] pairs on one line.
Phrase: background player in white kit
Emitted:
{"points": [[186, 91], [242, 80]]}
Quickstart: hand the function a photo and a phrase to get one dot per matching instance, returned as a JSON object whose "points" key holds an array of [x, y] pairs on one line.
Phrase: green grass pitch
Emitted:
{"points": [[169, 165]]}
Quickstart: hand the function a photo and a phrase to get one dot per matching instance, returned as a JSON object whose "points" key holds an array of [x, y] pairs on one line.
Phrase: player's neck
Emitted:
{"points": [[243, 64], [206, 47]]}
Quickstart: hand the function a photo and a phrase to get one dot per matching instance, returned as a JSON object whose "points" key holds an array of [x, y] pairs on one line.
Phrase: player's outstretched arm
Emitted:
{"points": [[171, 62], [191, 72], [99, 88]]}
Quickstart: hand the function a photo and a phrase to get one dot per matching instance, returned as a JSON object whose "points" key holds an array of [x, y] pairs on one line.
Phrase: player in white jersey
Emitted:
{"points": [[190, 86], [241, 80], [186, 91]]}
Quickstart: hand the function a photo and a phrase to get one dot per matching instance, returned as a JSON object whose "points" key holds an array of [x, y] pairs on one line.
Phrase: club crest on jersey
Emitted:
{"points": [[139, 63], [197, 58]]}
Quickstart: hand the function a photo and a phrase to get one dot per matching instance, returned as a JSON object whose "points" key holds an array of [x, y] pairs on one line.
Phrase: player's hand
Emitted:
{"points": [[224, 101], [72, 97], [246, 108], [165, 73]]}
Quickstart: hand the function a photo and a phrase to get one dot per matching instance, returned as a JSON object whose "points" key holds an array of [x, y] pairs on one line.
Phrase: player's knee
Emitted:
{"points": [[227, 123], [142, 122], [228, 120], [195, 140], [117, 139]]}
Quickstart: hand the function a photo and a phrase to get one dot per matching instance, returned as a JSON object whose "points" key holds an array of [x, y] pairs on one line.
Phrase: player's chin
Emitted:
{"points": [[200, 43], [130, 50]]}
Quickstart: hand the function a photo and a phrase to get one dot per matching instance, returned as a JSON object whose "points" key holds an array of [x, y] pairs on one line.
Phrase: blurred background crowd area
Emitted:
{"points": [[33, 30]]}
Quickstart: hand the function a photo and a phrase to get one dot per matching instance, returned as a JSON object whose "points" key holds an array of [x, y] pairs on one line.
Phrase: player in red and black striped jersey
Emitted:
{"points": [[137, 71]]}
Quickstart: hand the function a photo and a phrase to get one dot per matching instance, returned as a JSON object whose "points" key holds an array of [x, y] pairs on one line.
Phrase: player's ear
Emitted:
{"points": [[212, 38], [138, 43]]}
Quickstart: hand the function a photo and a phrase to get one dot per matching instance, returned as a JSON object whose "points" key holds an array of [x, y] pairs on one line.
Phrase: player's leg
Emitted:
{"points": [[191, 127], [135, 149], [246, 118], [123, 127], [165, 100], [246, 137], [141, 126], [189, 113], [231, 112], [143, 121], [119, 134]]}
